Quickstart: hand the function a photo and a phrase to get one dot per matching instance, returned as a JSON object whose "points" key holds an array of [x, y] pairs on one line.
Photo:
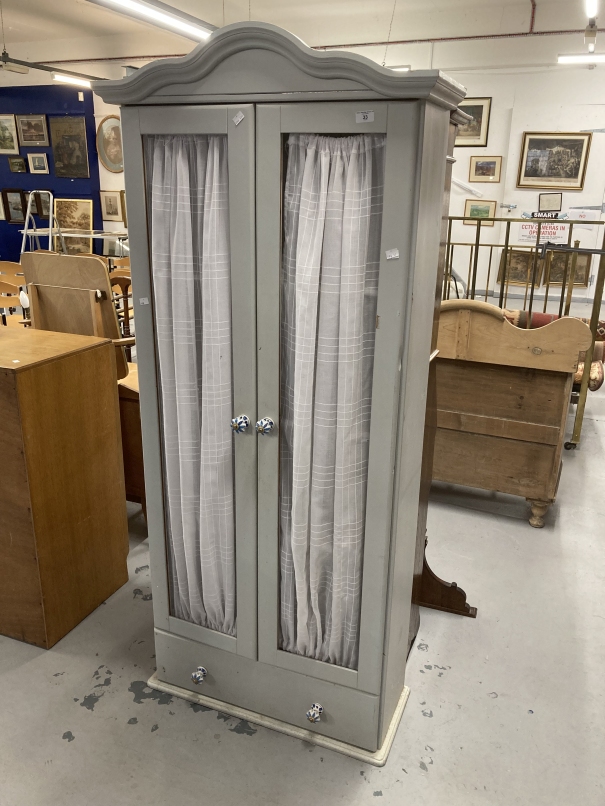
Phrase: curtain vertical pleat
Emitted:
{"points": [[332, 222], [188, 209]]}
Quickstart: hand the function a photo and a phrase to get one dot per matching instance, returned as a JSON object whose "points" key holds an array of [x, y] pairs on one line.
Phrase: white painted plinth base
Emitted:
{"points": [[378, 758]]}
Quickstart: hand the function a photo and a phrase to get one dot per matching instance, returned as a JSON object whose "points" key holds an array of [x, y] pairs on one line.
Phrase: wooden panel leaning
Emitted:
{"points": [[79, 273], [503, 395], [63, 525]]}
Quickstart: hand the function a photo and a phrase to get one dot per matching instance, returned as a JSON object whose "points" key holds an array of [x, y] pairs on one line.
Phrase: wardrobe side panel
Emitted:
{"points": [[431, 167]]}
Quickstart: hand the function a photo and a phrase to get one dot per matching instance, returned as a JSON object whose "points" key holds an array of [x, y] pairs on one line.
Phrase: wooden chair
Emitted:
{"points": [[9, 295], [73, 294], [123, 282]]}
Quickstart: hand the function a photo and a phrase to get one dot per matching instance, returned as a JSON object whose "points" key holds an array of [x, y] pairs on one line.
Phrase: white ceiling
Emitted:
{"points": [[318, 22]]}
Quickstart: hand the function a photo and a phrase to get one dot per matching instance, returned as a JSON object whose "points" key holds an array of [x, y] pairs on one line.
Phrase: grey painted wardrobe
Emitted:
{"points": [[285, 211]]}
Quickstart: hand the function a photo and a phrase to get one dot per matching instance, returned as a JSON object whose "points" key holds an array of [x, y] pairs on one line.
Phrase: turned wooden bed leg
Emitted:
{"points": [[538, 511]]}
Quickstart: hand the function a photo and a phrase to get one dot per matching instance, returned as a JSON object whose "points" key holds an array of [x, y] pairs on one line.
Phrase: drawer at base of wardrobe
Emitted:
{"points": [[349, 715]]}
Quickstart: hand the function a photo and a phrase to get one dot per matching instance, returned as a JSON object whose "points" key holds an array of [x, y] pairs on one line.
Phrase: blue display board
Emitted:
{"points": [[51, 101]]}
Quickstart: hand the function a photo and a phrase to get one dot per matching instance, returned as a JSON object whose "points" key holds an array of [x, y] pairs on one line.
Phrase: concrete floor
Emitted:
{"points": [[505, 709]]}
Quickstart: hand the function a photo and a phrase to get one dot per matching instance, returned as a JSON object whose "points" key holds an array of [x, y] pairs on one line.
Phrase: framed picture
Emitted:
{"points": [[485, 169], [15, 205], [111, 205], [2, 216], [109, 144], [17, 165], [9, 143], [32, 130], [70, 148], [74, 214], [555, 268], [475, 131], [38, 163], [520, 267], [550, 202], [556, 160], [43, 206], [475, 208], [123, 199]]}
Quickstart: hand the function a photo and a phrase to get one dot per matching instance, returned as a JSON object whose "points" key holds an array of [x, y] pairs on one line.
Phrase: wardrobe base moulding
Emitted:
{"points": [[378, 758]]}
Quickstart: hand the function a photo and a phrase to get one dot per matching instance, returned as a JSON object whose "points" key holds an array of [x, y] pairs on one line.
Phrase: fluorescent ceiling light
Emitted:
{"points": [[78, 82], [14, 68], [162, 15], [401, 68], [592, 8], [581, 58]]}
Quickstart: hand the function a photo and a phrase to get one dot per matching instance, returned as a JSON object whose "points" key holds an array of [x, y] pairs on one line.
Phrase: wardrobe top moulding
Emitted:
{"points": [[243, 57]]}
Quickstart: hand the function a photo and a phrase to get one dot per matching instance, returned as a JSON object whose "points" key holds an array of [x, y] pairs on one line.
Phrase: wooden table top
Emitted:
{"points": [[21, 348]]}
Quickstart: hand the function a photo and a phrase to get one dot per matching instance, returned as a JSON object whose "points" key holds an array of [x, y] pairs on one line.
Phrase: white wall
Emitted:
{"points": [[108, 180]]}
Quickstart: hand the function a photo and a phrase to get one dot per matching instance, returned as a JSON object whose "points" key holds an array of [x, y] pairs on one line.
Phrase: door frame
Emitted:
{"points": [[237, 121], [400, 121]]}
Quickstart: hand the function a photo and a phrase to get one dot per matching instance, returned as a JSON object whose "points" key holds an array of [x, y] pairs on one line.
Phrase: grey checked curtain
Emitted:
{"points": [[188, 210], [332, 223]]}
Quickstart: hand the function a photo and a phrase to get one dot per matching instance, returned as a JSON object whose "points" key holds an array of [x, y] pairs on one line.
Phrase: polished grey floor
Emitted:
{"points": [[505, 709]]}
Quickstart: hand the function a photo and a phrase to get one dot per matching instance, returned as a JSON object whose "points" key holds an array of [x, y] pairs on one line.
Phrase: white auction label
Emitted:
{"points": [[238, 118], [364, 117], [143, 300], [392, 254]]}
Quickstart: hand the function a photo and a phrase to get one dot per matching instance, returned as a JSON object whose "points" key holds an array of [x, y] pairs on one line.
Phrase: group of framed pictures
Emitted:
{"points": [[549, 160], [69, 144], [552, 272]]}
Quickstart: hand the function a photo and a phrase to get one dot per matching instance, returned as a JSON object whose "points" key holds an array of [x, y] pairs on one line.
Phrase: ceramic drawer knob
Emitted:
{"points": [[239, 424], [314, 713], [265, 426], [199, 675]]}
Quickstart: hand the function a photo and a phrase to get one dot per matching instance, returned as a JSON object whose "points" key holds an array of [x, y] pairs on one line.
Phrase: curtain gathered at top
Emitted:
{"points": [[332, 224], [188, 209]]}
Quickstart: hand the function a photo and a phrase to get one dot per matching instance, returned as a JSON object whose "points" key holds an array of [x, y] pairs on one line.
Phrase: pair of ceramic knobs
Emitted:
{"points": [[241, 423], [313, 714]]}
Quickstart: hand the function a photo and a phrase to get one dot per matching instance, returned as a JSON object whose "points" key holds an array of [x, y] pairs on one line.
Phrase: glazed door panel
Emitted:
{"points": [[394, 127], [191, 167]]}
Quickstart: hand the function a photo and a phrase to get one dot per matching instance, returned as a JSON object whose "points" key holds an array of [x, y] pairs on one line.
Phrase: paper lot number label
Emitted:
{"points": [[364, 117]]}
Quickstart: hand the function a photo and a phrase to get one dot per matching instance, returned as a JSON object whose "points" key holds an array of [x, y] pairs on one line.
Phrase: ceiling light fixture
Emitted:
{"points": [[581, 58], [62, 78], [592, 8], [162, 15], [401, 68]]}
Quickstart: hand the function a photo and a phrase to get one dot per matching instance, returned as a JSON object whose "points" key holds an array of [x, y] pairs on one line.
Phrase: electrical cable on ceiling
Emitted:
{"points": [[384, 61]]}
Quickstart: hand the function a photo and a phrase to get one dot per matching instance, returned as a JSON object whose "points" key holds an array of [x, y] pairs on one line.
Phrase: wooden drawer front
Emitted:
{"points": [[349, 715], [498, 427], [530, 395], [493, 463]]}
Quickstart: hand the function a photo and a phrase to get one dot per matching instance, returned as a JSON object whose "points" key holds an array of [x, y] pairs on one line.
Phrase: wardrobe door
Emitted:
{"points": [[336, 182], [190, 188]]}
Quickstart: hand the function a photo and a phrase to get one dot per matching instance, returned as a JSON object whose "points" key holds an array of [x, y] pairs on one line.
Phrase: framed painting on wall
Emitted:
{"points": [[555, 268], [550, 202], [475, 131], [74, 214], [17, 165], [123, 199], [9, 144], [38, 163], [111, 205], [32, 130], [485, 169], [14, 205], [109, 144], [520, 267], [479, 209], [43, 206], [70, 148], [554, 160]]}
